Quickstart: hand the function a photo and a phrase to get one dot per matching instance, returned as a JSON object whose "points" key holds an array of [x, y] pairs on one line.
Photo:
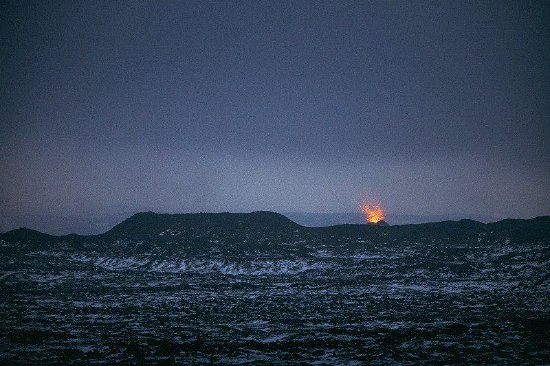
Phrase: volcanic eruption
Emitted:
{"points": [[372, 212]]}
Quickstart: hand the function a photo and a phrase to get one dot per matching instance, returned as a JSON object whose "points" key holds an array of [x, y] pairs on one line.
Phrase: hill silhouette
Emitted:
{"points": [[149, 225], [146, 224]]}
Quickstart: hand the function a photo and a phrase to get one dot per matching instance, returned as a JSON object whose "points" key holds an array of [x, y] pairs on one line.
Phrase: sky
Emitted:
{"points": [[431, 108]]}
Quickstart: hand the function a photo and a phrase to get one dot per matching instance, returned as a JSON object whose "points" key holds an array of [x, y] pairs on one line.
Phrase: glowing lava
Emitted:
{"points": [[372, 213]]}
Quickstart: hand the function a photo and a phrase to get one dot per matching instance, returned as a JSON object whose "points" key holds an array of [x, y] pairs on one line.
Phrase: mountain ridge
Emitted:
{"points": [[143, 225]]}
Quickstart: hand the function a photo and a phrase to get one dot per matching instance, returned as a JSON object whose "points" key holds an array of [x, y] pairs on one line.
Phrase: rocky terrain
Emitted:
{"points": [[257, 288]]}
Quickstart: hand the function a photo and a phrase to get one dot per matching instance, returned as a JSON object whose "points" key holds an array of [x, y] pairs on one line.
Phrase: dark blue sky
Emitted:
{"points": [[431, 107]]}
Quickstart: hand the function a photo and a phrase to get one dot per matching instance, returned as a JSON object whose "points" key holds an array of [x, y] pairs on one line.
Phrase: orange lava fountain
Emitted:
{"points": [[372, 213]]}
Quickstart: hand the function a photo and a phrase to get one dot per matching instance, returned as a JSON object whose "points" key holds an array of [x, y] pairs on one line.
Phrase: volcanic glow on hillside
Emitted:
{"points": [[372, 212]]}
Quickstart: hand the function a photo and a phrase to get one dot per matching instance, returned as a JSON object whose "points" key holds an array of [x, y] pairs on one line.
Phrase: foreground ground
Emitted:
{"points": [[276, 294]]}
